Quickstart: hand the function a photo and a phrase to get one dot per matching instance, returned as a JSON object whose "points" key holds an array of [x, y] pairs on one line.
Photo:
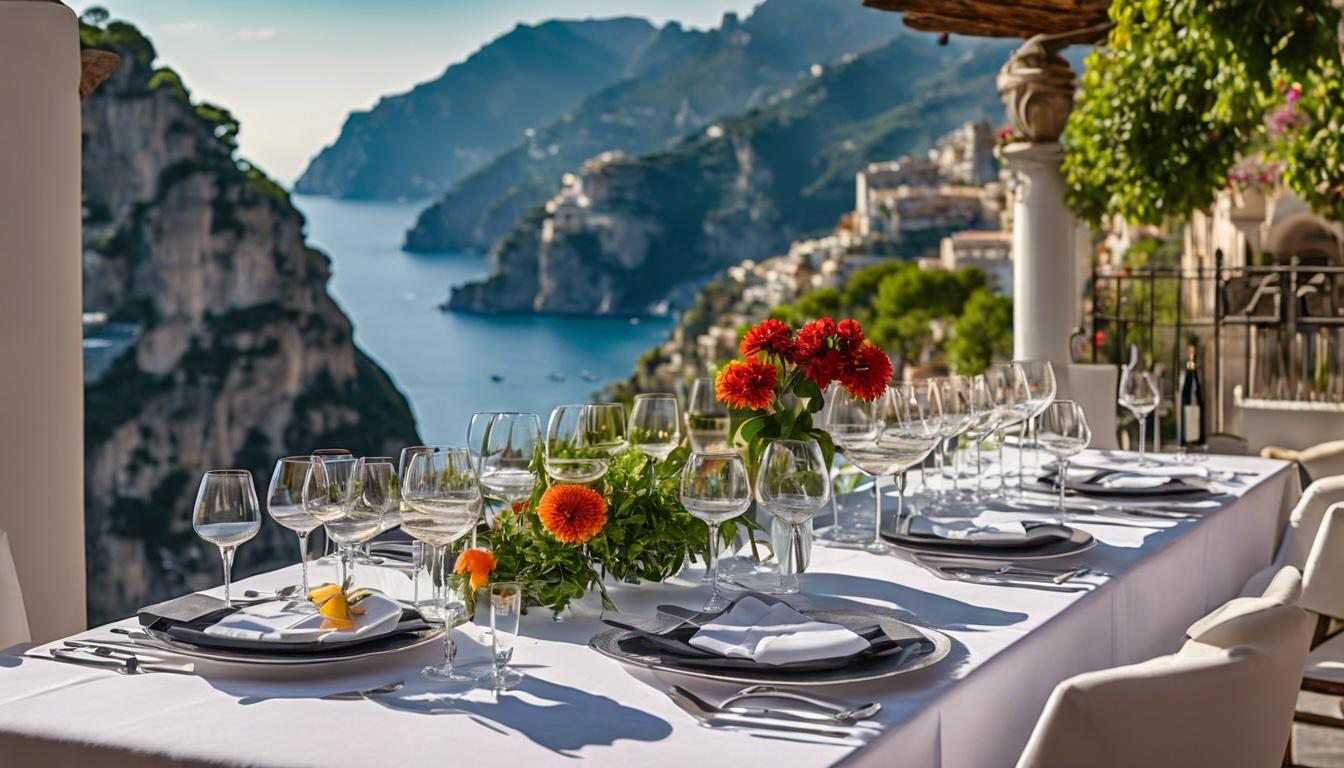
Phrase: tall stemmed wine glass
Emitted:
{"points": [[476, 429], [418, 560], [1140, 394], [1009, 390], [715, 488], [792, 484], [984, 420], [226, 514], [284, 502], [932, 396], [444, 499], [570, 453], [655, 429], [326, 453], [707, 419], [851, 422], [1064, 433], [329, 495], [909, 432], [371, 498], [1039, 377], [955, 396], [505, 468]]}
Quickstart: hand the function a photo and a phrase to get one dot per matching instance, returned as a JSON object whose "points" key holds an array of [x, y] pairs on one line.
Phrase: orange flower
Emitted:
{"points": [[478, 563], [746, 385], [770, 337], [572, 513]]}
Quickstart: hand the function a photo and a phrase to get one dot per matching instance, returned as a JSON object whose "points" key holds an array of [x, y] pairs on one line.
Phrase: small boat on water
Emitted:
{"points": [[495, 377], [588, 375], [556, 376]]}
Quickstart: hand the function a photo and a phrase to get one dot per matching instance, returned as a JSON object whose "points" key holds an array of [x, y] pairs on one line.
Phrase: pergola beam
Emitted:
{"points": [[997, 18]]}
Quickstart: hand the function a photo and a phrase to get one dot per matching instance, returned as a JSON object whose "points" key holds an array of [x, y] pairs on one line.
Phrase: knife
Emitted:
{"points": [[709, 715]]}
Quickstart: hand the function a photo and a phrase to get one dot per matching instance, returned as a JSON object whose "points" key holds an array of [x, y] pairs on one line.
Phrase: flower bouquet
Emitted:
{"points": [[774, 390]]}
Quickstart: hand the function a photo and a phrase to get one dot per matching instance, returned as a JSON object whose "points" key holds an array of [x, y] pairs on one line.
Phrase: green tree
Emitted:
{"points": [[822, 302], [983, 333], [861, 287]]}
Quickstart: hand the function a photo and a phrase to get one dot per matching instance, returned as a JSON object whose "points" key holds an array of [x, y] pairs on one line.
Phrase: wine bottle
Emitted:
{"points": [[1191, 414]]}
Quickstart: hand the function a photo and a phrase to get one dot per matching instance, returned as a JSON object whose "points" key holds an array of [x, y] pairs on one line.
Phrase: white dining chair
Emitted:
{"points": [[1300, 532], [1226, 698], [1318, 461], [13, 614], [1323, 596]]}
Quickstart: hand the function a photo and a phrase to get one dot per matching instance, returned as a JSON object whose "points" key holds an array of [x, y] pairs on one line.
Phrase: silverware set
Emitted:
{"points": [[778, 709], [114, 656], [1007, 574]]}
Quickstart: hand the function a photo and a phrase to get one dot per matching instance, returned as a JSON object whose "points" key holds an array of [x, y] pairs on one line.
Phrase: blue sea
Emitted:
{"points": [[443, 361]]}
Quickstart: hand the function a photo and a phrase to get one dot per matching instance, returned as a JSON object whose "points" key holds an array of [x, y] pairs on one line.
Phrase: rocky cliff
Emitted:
{"points": [[685, 81], [630, 230], [416, 144], [239, 353]]}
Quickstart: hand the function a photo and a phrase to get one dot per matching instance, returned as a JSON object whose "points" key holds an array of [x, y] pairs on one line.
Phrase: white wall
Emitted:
{"points": [[41, 385]]}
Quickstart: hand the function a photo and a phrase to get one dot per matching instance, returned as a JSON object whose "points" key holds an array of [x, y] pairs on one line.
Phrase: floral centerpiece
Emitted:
{"points": [[774, 390]]}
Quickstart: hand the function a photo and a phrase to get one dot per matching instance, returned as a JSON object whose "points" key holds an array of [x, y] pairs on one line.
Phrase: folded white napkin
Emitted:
{"points": [[960, 529], [1130, 480], [1164, 471], [774, 634], [270, 621]]}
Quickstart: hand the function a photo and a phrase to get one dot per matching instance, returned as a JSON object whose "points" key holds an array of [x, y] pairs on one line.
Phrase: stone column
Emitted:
{"points": [[41, 378], [1037, 87]]}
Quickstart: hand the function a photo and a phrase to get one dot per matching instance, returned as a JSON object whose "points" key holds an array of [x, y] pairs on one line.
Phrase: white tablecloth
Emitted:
{"points": [[974, 709]]}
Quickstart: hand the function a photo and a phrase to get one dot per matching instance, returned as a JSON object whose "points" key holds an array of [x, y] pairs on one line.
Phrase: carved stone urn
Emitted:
{"points": [[1037, 87]]}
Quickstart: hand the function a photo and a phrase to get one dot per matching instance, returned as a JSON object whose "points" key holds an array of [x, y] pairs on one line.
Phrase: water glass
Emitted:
{"points": [[226, 514], [1008, 387], [507, 448], [955, 397], [606, 427], [417, 546], [443, 498], [284, 503], [506, 608], [715, 488], [1064, 434], [793, 484], [570, 455], [851, 422], [1140, 394], [707, 419], [909, 434], [984, 420], [655, 429]]}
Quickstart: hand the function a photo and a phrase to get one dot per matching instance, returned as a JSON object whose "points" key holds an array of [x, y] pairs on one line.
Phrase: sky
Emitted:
{"points": [[291, 70]]}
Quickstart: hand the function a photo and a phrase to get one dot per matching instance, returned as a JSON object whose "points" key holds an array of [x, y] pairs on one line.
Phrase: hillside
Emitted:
{"points": [[415, 144], [687, 81], [234, 353], [742, 190]]}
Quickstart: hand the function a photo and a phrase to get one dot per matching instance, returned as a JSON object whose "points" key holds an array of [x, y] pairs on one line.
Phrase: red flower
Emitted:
{"points": [[770, 337], [821, 348], [866, 372], [848, 336], [746, 385], [572, 513]]}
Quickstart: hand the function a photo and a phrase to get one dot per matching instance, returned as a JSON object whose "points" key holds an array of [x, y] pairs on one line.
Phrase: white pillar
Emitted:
{"points": [[1044, 240], [41, 362]]}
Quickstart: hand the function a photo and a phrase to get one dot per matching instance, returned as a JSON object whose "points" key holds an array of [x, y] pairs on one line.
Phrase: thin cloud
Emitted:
{"points": [[257, 33], [190, 25]]}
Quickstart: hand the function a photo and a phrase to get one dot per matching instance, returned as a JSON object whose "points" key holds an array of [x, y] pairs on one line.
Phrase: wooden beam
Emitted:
{"points": [[997, 18]]}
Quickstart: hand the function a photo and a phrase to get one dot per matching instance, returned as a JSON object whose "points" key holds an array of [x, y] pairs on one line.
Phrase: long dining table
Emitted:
{"points": [[1149, 579]]}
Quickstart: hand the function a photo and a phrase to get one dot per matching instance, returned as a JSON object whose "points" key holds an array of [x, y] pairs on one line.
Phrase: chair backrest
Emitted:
{"points": [[1323, 460], [1228, 444], [1323, 578], [1093, 387], [1305, 521], [1226, 700], [13, 614], [1285, 588]]}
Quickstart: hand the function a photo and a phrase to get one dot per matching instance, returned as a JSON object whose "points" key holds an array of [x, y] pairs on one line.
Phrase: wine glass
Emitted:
{"points": [[707, 419], [506, 608], [444, 499], [1009, 390], [1064, 434], [1140, 394], [226, 514], [955, 396], [476, 429], [569, 455], [417, 546], [606, 424], [931, 395], [1039, 377], [850, 421], [793, 484], [909, 434], [506, 456], [284, 503], [715, 488], [362, 519], [984, 420], [330, 489], [655, 429]]}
